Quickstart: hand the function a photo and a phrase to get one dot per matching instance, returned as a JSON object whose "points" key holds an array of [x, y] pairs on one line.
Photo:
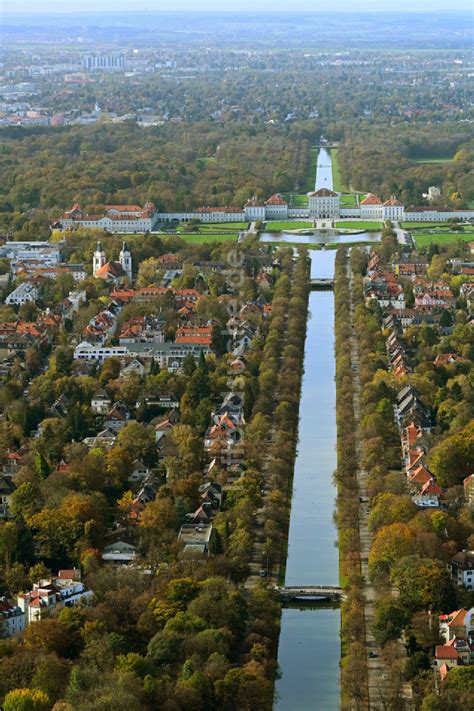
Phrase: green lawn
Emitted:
{"points": [[336, 174], [348, 200], [193, 238], [296, 199], [419, 225], [423, 240], [433, 160], [359, 225], [311, 174], [295, 225], [438, 225], [225, 226], [215, 226]]}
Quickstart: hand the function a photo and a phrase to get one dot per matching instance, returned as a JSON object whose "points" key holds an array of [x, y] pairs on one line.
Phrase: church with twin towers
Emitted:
{"points": [[112, 271]]}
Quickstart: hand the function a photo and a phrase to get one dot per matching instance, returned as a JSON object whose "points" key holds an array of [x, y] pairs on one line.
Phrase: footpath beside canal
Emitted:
{"points": [[377, 677]]}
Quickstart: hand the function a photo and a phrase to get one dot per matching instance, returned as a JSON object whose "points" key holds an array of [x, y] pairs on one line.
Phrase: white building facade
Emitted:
{"points": [[324, 203]]}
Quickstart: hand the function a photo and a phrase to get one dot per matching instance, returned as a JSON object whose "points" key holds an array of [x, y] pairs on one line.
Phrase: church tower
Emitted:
{"points": [[98, 260], [125, 260]]}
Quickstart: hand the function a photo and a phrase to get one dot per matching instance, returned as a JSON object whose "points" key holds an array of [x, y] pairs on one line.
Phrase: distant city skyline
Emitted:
{"points": [[153, 6]]}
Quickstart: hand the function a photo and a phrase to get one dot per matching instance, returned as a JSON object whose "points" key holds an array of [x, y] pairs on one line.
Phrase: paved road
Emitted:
{"points": [[403, 236], [245, 233], [380, 693]]}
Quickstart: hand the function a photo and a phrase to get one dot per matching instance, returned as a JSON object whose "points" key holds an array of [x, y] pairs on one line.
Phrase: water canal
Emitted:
{"points": [[309, 646], [319, 237]]}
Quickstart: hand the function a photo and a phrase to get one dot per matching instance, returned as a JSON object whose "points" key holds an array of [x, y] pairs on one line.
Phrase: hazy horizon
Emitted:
{"points": [[115, 7]]}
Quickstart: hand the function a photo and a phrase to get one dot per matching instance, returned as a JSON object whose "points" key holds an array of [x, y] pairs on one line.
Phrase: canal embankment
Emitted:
{"points": [[354, 679], [309, 645]]}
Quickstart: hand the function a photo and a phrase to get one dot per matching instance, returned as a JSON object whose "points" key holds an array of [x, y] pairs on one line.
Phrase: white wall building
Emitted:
{"points": [[41, 253], [87, 351], [276, 208], [324, 203], [393, 209], [120, 219], [254, 209], [12, 619], [47, 595], [371, 207], [22, 294], [462, 569]]}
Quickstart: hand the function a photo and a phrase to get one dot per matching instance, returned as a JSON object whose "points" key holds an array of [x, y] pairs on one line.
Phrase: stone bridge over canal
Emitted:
{"points": [[322, 283], [309, 592]]}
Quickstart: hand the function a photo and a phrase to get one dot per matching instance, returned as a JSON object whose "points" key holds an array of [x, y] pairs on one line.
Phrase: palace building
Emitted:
{"points": [[125, 219]]}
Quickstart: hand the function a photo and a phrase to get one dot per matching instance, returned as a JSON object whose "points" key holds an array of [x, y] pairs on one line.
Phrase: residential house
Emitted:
{"points": [[103, 440], [12, 619], [410, 408], [462, 569], [211, 494], [200, 335], [135, 366], [51, 593], [446, 654], [430, 495], [226, 432], [468, 484], [143, 329], [7, 488], [197, 539], [139, 472], [101, 402], [120, 553], [117, 417], [459, 623], [447, 359], [23, 294], [60, 406]]}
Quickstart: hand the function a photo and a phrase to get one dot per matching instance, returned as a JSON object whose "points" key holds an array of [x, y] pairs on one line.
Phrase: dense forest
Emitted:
{"points": [[381, 159], [176, 167]]}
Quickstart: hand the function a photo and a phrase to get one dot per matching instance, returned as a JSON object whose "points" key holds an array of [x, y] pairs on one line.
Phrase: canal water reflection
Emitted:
{"points": [[319, 237], [323, 177], [309, 647]]}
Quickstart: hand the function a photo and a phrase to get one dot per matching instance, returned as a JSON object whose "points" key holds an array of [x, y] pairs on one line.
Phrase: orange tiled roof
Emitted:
{"points": [[392, 202], [276, 199], [371, 199]]}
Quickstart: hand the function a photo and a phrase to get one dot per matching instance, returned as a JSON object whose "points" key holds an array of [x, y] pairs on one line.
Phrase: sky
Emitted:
{"points": [[75, 6]]}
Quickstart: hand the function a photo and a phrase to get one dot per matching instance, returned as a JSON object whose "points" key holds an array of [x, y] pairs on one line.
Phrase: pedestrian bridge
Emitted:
{"points": [[321, 283], [307, 592]]}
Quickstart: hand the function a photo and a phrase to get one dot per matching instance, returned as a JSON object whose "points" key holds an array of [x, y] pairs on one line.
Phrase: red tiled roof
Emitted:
{"points": [[123, 295], [371, 199], [432, 487], [125, 208], [392, 202], [445, 358], [443, 651], [276, 199], [113, 269], [201, 335], [420, 476], [454, 619]]}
